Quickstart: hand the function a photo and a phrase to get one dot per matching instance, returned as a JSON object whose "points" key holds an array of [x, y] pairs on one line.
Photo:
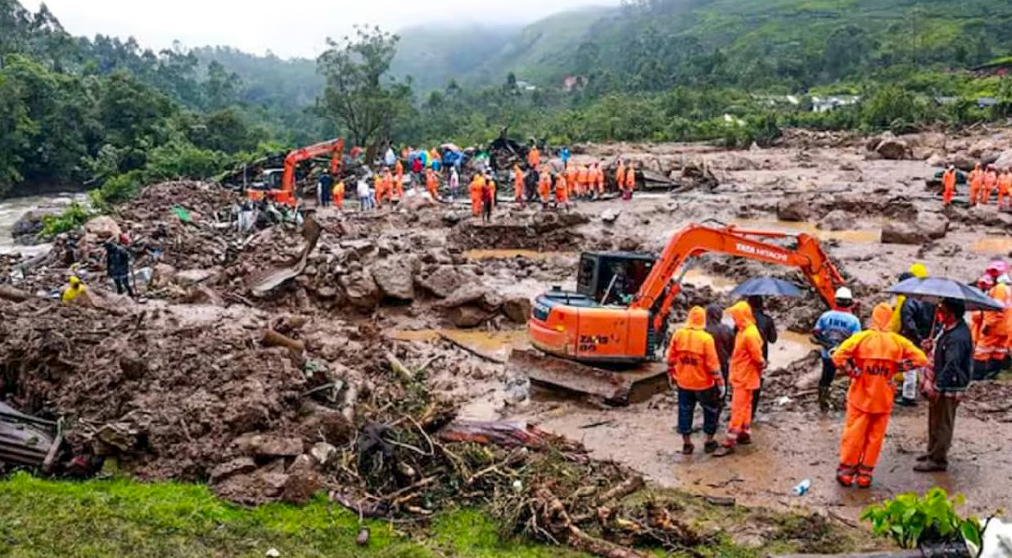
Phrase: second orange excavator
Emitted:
{"points": [[607, 338], [285, 191]]}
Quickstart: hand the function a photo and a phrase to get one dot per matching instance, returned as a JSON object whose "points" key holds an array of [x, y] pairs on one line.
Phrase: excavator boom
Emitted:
{"points": [[286, 194], [579, 327]]}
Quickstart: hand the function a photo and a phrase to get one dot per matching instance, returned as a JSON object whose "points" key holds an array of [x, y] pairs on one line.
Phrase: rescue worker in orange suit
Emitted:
{"points": [[747, 364], [694, 368], [871, 358], [399, 177], [544, 186], [630, 181], [571, 176], [583, 181], [990, 183], [976, 181], [518, 185], [990, 333], [620, 176], [534, 156], [432, 183], [338, 194], [1004, 189], [477, 183], [395, 190], [379, 185], [561, 191], [599, 178], [949, 186]]}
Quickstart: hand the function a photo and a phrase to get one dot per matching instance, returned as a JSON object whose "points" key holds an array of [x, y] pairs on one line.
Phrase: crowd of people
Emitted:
{"points": [[985, 183], [535, 181], [933, 350]]}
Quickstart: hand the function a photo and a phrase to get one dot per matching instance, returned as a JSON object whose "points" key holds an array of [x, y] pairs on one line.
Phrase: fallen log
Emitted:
{"points": [[556, 520], [621, 490], [14, 295], [272, 338]]}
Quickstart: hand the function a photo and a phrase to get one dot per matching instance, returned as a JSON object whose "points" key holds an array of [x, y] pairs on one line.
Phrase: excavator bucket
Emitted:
{"points": [[615, 387]]}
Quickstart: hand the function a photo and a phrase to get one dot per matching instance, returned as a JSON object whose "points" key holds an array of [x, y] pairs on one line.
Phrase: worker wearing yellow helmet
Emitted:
{"points": [[73, 290], [913, 320]]}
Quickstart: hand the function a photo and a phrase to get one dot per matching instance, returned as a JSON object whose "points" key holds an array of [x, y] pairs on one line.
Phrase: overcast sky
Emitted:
{"points": [[287, 28]]}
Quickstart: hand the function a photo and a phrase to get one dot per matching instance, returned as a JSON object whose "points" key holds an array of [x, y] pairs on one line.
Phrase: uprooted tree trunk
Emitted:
{"points": [[554, 519]]}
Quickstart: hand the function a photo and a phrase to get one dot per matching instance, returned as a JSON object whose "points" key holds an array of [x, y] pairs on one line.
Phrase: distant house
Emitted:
{"points": [[525, 86], [985, 102], [946, 100], [573, 83], [826, 104], [996, 67]]}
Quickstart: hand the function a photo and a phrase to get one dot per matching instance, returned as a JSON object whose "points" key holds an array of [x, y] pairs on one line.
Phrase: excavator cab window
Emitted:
{"points": [[613, 277]]}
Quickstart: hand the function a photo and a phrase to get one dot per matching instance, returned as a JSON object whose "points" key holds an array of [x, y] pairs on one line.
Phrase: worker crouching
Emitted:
{"points": [[870, 358], [694, 367], [747, 363]]}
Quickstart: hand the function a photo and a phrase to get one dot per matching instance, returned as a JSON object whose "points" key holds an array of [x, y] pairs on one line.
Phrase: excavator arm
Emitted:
{"points": [[658, 290], [334, 147]]}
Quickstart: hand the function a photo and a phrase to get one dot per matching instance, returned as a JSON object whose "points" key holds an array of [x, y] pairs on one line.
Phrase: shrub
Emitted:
{"points": [[71, 218], [910, 520]]}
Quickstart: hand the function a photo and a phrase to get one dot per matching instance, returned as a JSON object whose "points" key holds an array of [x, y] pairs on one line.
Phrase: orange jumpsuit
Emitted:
{"points": [[491, 184], [876, 355], [746, 366], [518, 184], [431, 183], [692, 355], [599, 178], [399, 175], [976, 180], [477, 183], [394, 190], [545, 186], [379, 184], [620, 176], [534, 158], [571, 176], [991, 334], [949, 187], [561, 190], [583, 180], [630, 179], [990, 183], [1004, 189], [338, 194]]}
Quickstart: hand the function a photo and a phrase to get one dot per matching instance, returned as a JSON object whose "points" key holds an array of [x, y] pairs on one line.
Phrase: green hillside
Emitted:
{"points": [[434, 55]]}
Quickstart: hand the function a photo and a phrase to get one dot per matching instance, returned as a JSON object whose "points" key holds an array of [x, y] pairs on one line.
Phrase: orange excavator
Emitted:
{"points": [[607, 338], [285, 191]]}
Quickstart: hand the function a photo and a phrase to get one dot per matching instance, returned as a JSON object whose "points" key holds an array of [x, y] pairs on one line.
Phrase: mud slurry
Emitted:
{"points": [[184, 387]]}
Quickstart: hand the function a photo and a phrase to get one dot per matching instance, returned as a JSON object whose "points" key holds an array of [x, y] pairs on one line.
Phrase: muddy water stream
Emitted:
{"points": [[12, 209]]}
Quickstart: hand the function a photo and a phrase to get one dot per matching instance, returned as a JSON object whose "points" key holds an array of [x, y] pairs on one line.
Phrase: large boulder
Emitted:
{"points": [[927, 227], [395, 277], [468, 316], [889, 146], [30, 224], [1004, 160], [837, 220], [361, 289], [442, 282], [517, 309], [103, 227], [796, 210]]}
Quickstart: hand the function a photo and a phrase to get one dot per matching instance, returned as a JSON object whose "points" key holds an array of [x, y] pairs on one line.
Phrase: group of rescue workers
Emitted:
{"points": [[929, 348], [984, 184], [533, 182]]}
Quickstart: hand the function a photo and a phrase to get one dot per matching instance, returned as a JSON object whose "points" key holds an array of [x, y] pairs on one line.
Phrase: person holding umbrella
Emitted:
{"points": [[945, 383]]}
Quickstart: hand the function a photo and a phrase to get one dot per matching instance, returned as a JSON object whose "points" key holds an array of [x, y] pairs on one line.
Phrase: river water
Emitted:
{"points": [[13, 208]]}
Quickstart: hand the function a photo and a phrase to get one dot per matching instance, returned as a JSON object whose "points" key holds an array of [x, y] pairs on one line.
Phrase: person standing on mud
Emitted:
{"points": [[945, 383], [117, 261], [325, 186], [487, 199], [768, 332], [454, 183], [723, 337], [949, 185], [694, 368], [747, 363], [832, 329], [871, 359], [630, 181], [364, 197]]}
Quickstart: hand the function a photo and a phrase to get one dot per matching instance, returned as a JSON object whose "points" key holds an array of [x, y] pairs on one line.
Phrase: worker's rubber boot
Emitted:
{"points": [[824, 399], [864, 477], [845, 476], [724, 450]]}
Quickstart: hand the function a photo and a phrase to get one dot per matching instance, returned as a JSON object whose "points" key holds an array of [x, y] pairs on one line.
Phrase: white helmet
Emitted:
{"points": [[843, 293], [1004, 279]]}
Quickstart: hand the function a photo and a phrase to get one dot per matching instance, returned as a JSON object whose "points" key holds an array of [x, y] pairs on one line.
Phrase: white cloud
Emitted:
{"points": [[293, 28]]}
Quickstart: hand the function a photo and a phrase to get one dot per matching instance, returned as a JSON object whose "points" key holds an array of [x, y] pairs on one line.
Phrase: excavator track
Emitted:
{"points": [[614, 387]]}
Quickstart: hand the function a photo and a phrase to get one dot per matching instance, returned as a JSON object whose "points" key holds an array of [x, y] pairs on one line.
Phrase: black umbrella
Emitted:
{"points": [[765, 286], [935, 289]]}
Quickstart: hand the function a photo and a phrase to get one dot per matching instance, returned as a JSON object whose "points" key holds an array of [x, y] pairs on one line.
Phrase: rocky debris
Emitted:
{"points": [[360, 289], [696, 176], [610, 215], [443, 281], [517, 309], [103, 227], [794, 210], [1004, 160], [26, 229], [888, 146], [468, 316], [927, 227], [395, 276], [837, 220], [541, 231]]}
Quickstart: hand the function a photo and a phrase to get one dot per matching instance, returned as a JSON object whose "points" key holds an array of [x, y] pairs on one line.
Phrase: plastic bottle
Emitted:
{"points": [[802, 487]]}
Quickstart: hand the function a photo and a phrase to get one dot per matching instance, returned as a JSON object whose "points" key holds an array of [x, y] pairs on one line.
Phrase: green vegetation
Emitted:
{"points": [[126, 518], [910, 520]]}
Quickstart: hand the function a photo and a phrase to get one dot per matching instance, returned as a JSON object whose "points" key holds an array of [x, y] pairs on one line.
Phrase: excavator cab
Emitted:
{"points": [[613, 277]]}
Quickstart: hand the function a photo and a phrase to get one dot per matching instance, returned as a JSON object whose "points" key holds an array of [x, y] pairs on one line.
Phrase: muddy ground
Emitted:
{"points": [[184, 385]]}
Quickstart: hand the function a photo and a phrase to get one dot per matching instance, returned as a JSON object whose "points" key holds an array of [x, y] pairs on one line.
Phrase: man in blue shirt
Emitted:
{"points": [[833, 328]]}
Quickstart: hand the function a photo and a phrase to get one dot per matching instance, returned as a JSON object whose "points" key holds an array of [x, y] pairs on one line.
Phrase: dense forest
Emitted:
{"points": [[108, 114]]}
